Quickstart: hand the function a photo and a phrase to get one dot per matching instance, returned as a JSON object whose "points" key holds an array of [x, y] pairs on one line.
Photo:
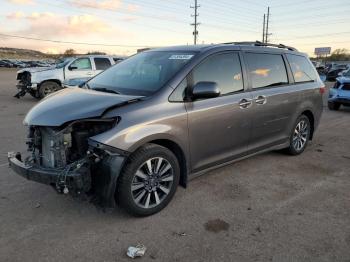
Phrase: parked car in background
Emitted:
{"points": [[333, 72], [339, 94], [41, 81], [167, 115]]}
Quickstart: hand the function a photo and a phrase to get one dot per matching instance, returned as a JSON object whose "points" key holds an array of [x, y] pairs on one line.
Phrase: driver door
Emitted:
{"points": [[79, 68], [219, 128]]}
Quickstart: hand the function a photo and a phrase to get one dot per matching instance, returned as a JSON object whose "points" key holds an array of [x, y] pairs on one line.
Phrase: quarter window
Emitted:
{"points": [[102, 63], [266, 70], [224, 69], [302, 69], [82, 64]]}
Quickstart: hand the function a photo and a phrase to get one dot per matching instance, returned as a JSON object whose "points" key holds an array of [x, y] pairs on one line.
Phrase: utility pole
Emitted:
{"points": [[195, 24], [267, 25], [263, 36]]}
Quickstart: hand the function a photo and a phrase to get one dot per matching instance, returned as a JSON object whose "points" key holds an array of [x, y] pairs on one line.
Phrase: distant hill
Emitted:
{"points": [[17, 53]]}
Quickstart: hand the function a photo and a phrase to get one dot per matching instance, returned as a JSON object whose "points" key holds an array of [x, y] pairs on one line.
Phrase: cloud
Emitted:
{"points": [[132, 8], [95, 4], [15, 15], [52, 25], [21, 2]]}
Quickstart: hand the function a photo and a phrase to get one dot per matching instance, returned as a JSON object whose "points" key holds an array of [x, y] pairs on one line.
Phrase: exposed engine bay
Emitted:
{"points": [[66, 150]]}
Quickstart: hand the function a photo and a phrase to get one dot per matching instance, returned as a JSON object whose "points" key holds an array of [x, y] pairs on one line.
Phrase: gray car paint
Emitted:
{"points": [[67, 105], [209, 132]]}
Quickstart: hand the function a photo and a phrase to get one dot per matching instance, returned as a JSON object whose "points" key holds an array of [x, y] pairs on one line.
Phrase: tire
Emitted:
{"points": [[299, 139], [333, 106], [34, 94], [141, 192], [47, 88]]}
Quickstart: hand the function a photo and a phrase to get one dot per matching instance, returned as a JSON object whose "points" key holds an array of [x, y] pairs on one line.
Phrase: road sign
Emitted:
{"points": [[322, 50]]}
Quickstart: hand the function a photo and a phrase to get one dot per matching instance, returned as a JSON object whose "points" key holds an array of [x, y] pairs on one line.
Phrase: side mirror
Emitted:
{"points": [[72, 67], [205, 90]]}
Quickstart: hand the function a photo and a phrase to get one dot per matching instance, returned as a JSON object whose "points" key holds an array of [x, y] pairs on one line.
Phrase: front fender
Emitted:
{"points": [[48, 75]]}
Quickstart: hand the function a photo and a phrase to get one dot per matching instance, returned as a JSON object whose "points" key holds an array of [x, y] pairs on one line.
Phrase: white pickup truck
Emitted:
{"points": [[41, 81]]}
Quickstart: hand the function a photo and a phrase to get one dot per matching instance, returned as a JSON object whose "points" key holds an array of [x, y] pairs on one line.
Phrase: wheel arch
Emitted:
{"points": [[177, 150], [309, 114], [57, 81]]}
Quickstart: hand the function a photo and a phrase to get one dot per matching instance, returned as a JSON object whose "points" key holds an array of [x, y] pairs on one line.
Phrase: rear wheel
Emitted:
{"points": [[148, 181], [47, 88], [333, 106], [300, 136]]}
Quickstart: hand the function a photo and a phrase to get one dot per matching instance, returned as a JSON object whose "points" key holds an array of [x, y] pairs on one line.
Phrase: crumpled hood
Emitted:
{"points": [[73, 104], [36, 69], [343, 79]]}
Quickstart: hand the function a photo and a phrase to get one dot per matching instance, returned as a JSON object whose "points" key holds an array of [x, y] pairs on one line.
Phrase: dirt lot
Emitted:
{"points": [[271, 207]]}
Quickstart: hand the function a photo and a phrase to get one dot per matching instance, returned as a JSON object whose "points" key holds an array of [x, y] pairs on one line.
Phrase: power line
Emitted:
{"points": [[195, 24], [69, 42]]}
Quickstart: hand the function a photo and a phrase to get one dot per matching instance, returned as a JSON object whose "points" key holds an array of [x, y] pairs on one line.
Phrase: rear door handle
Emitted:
{"points": [[260, 100], [245, 103]]}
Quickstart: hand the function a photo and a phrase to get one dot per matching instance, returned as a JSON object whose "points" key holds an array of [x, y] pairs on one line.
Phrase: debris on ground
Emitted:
{"points": [[37, 205], [137, 251], [181, 234], [216, 225]]}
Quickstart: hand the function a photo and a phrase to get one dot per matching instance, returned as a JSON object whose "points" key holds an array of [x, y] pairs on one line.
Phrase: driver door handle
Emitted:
{"points": [[260, 100], [245, 103]]}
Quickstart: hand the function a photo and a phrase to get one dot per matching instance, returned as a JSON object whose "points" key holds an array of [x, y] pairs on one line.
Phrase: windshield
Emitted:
{"points": [[142, 74], [347, 73], [63, 62]]}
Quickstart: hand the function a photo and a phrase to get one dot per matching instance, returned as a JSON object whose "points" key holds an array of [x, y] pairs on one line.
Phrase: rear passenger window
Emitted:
{"points": [[102, 63], [302, 69], [224, 69], [266, 70]]}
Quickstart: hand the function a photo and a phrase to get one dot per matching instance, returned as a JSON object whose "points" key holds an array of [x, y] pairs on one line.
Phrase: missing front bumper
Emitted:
{"points": [[100, 178], [77, 181]]}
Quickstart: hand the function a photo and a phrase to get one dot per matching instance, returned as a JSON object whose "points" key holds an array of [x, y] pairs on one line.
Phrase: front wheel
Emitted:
{"points": [[47, 88], [300, 136], [148, 181]]}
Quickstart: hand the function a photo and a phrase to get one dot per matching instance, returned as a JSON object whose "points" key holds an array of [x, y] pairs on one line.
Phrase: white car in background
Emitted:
{"points": [[41, 81]]}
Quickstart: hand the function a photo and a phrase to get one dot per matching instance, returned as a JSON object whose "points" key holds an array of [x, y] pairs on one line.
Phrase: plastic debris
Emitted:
{"points": [[137, 251], [37, 205]]}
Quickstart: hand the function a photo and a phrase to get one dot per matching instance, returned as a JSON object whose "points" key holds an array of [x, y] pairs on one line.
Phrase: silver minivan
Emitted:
{"points": [[136, 131]]}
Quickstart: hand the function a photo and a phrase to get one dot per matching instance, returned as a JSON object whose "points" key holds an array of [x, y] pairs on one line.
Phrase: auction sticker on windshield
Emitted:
{"points": [[181, 57]]}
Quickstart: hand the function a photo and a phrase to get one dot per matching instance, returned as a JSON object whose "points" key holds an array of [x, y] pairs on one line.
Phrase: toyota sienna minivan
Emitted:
{"points": [[139, 129]]}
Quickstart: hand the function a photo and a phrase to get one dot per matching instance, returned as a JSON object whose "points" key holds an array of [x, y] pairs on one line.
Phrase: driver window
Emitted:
{"points": [[82, 64], [224, 69]]}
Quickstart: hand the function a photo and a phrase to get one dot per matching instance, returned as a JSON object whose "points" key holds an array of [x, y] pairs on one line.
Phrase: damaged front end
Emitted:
{"points": [[25, 85], [66, 158]]}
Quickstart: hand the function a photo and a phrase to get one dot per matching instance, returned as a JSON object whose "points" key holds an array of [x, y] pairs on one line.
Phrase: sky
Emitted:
{"points": [[122, 26]]}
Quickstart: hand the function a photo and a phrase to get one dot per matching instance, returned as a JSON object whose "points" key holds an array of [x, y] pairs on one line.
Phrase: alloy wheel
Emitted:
{"points": [[300, 135], [152, 182]]}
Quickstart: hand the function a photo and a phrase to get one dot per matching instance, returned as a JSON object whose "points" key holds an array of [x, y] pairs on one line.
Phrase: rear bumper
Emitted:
{"points": [[78, 180], [340, 100]]}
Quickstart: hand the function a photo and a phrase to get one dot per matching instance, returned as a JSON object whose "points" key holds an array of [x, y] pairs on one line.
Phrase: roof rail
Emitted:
{"points": [[258, 43]]}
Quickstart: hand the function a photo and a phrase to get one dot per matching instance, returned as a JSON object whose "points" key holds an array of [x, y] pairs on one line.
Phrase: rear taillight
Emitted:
{"points": [[322, 90]]}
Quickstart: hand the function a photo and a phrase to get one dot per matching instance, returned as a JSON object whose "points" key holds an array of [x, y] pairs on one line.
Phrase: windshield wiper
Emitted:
{"points": [[102, 89]]}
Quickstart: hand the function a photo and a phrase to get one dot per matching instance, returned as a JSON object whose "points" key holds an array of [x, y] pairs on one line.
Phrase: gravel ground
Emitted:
{"points": [[271, 207]]}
